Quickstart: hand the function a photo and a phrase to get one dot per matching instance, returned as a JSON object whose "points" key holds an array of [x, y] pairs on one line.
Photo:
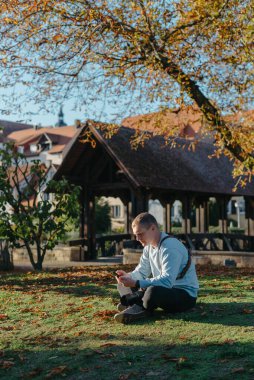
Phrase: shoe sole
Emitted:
{"points": [[125, 318], [121, 308]]}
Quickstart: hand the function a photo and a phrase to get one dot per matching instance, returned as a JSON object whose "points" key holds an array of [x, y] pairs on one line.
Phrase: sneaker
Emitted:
{"points": [[132, 313], [121, 307]]}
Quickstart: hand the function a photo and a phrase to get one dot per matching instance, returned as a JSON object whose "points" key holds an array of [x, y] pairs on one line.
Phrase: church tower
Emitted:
{"points": [[60, 122]]}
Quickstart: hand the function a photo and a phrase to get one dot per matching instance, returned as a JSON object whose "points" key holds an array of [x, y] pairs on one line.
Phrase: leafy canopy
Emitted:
{"points": [[140, 52]]}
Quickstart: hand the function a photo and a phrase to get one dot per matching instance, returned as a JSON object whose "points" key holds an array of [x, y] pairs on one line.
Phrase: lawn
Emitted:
{"points": [[59, 324]]}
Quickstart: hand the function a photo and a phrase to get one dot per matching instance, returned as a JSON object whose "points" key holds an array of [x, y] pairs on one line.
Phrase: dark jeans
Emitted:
{"points": [[171, 300]]}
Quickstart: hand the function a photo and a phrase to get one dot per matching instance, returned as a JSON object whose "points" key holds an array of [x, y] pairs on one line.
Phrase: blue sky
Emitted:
{"points": [[50, 118]]}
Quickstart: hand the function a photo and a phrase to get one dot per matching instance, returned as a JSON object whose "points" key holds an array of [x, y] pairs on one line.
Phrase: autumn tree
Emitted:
{"points": [[168, 52], [27, 218]]}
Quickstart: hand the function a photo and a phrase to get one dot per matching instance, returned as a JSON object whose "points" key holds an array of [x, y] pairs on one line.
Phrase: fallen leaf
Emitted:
{"points": [[247, 311], [173, 359], [124, 377], [229, 341], [6, 364], [238, 370], [3, 316], [56, 371], [108, 344], [84, 369], [34, 373]]}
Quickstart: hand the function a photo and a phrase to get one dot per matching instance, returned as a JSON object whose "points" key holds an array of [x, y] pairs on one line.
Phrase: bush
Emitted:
{"points": [[102, 216]]}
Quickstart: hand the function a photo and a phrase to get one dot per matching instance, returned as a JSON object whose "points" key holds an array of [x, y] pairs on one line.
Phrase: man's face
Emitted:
{"points": [[143, 235]]}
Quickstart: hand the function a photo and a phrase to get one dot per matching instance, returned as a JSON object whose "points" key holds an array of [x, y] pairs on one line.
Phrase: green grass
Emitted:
{"points": [[59, 324]]}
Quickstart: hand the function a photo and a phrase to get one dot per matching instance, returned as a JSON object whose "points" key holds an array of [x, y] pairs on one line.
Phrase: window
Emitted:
{"points": [[20, 149], [46, 196], [235, 204], [116, 211]]}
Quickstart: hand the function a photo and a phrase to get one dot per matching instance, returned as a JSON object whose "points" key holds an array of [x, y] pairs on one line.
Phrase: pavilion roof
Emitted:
{"points": [[156, 165]]}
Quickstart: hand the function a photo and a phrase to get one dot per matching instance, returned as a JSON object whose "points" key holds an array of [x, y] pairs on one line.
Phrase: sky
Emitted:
{"points": [[50, 118]]}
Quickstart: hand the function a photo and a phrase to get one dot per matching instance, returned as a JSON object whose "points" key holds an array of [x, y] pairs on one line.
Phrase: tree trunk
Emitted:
{"points": [[5, 256], [210, 112], [38, 265], [30, 254]]}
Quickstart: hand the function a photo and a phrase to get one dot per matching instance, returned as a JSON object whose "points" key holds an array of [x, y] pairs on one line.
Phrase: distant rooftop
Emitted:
{"points": [[10, 127]]}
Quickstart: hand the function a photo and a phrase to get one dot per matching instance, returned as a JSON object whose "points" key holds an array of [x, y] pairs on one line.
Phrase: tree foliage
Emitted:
{"points": [[170, 52], [26, 218]]}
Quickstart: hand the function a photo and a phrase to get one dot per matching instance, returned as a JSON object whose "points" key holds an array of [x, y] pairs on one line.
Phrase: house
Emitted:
{"points": [[8, 127], [45, 144]]}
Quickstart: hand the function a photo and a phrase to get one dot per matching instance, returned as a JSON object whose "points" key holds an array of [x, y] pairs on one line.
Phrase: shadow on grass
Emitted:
{"points": [[76, 282], [224, 313], [143, 358]]}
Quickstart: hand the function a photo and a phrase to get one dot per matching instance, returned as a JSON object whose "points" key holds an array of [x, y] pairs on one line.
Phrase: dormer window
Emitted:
{"points": [[34, 148], [20, 149]]}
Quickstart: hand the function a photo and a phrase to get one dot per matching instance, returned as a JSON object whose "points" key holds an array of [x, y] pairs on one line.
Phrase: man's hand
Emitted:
{"points": [[127, 281], [120, 273]]}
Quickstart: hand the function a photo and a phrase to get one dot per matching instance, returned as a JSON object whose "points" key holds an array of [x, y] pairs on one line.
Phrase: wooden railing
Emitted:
{"points": [[113, 239], [218, 242], [109, 245], [101, 243]]}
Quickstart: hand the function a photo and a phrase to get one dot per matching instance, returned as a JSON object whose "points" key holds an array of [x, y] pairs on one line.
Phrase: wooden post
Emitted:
{"points": [[223, 214], [186, 202], [168, 220], [202, 215], [166, 216], [127, 224], [249, 214], [82, 214], [90, 224]]}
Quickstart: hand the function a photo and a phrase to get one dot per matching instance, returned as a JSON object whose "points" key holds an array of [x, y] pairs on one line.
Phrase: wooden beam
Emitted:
{"points": [[108, 186]]}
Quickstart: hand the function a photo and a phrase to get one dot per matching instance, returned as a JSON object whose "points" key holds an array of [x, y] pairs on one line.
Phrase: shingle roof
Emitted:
{"points": [[158, 166]]}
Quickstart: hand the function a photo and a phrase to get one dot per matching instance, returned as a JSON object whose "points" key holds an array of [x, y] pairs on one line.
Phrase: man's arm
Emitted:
{"points": [[142, 270], [170, 267]]}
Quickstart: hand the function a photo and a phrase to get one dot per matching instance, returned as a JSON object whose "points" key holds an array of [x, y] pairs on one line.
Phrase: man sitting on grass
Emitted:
{"points": [[165, 276]]}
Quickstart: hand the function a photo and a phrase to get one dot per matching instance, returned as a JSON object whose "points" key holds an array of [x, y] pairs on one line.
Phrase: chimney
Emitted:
{"points": [[77, 123]]}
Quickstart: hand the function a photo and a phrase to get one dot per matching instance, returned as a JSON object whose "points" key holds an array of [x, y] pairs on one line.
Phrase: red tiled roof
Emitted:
{"points": [[23, 137], [10, 127], [57, 149], [186, 121]]}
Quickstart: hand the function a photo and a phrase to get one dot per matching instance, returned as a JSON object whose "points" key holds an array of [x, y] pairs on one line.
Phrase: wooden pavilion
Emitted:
{"points": [[105, 165]]}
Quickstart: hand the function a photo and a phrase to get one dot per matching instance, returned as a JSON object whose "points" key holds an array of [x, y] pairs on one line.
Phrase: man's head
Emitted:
{"points": [[146, 229]]}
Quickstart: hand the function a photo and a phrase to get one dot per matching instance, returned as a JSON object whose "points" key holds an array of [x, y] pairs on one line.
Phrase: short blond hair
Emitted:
{"points": [[145, 219]]}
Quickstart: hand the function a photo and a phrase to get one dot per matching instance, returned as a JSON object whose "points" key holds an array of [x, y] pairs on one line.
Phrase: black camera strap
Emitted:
{"points": [[187, 266]]}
